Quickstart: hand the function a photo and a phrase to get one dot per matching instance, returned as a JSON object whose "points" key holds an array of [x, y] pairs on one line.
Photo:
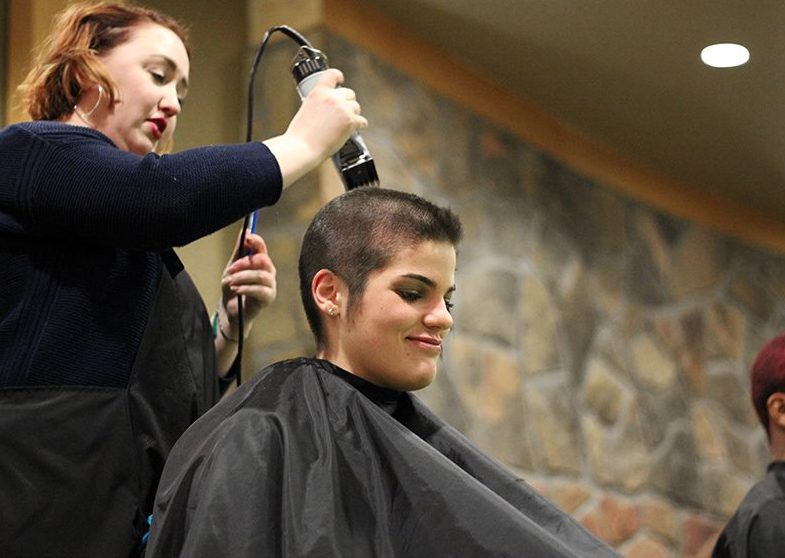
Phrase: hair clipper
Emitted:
{"points": [[353, 161]]}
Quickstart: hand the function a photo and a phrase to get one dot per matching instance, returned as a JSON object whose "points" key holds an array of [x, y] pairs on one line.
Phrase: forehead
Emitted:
{"points": [[149, 41], [434, 260]]}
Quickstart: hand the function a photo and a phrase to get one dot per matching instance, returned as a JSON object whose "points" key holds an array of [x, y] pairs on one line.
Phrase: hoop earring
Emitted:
{"points": [[85, 116]]}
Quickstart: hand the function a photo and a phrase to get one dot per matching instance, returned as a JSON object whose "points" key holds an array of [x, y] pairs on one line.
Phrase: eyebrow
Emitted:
{"points": [[427, 280]]}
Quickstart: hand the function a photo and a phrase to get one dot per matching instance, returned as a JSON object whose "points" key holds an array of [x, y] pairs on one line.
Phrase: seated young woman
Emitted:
{"points": [[332, 455]]}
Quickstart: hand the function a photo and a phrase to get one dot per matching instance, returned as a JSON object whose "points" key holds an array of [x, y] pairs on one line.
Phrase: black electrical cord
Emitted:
{"points": [[302, 41]]}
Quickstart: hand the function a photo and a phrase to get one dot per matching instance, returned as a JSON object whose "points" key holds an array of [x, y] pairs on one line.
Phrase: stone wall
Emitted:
{"points": [[600, 348]]}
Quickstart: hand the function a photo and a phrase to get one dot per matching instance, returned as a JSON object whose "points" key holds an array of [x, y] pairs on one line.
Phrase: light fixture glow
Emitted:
{"points": [[725, 55]]}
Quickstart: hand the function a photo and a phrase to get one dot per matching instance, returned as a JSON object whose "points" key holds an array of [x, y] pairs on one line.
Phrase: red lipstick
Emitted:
{"points": [[158, 126]]}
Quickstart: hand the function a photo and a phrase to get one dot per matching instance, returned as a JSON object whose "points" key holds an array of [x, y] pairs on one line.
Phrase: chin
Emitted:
{"points": [[422, 381]]}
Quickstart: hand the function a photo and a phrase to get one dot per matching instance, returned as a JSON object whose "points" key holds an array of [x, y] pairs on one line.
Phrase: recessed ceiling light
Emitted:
{"points": [[725, 55]]}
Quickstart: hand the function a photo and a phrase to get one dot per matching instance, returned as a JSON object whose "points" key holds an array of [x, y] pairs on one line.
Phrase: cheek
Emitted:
{"points": [[396, 321], [380, 325]]}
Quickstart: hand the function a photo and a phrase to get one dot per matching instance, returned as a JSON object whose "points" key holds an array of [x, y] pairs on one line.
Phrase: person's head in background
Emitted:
{"points": [[377, 271], [767, 382], [116, 68]]}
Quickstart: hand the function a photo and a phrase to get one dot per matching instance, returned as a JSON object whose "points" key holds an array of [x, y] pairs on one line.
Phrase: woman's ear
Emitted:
{"points": [[327, 291]]}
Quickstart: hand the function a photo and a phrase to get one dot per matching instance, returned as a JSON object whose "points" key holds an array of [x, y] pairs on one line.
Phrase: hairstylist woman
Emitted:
{"points": [[106, 351]]}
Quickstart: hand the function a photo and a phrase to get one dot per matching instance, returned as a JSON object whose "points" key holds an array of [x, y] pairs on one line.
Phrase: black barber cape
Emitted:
{"points": [[307, 460]]}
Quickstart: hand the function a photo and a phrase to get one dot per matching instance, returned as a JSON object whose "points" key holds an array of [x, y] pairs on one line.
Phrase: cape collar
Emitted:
{"points": [[385, 398]]}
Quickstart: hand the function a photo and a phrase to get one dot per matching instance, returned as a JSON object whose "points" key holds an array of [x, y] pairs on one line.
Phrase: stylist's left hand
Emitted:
{"points": [[252, 276]]}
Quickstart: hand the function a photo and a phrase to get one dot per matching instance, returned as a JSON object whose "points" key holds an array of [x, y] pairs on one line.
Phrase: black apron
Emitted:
{"points": [[79, 465]]}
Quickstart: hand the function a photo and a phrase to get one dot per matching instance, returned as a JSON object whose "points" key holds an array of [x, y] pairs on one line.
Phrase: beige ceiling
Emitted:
{"points": [[629, 73]]}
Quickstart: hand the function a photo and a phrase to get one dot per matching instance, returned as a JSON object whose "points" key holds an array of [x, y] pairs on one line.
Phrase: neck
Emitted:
{"points": [[777, 445]]}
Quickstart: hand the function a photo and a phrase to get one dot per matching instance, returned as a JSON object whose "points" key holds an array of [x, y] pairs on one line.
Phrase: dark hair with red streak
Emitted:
{"points": [[768, 376]]}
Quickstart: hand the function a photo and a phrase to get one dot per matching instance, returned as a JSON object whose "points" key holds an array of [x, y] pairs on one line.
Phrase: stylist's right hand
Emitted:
{"points": [[327, 116]]}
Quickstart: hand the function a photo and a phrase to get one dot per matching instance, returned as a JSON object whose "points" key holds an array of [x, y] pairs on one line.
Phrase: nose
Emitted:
{"points": [[439, 317], [170, 102]]}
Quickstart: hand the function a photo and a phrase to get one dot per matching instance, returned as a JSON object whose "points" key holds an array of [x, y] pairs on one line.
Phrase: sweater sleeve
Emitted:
{"points": [[60, 181]]}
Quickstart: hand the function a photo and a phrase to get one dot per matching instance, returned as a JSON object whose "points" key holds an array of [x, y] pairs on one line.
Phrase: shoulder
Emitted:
{"points": [[769, 511], [35, 139], [757, 523], [267, 399], [52, 131], [291, 399], [281, 403], [768, 493], [766, 531], [760, 497], [288, 396]]}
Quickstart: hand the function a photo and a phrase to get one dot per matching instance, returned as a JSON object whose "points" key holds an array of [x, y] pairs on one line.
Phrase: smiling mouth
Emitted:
{"points": [[427, 343]]}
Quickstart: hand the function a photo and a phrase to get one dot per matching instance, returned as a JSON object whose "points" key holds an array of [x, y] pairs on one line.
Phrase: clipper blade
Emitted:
{"points": [[356, 164], [361, 173]]}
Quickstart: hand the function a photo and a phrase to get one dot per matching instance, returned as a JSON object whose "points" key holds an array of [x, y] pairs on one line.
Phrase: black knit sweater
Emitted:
{"points": [[81, 226]]}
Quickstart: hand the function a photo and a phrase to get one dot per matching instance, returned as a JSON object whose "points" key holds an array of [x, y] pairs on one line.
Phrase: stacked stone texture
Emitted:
{"points": [[600, 349]]}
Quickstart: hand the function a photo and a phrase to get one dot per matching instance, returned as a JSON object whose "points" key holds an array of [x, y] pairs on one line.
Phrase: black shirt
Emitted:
{"points": [[757, 529]]}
